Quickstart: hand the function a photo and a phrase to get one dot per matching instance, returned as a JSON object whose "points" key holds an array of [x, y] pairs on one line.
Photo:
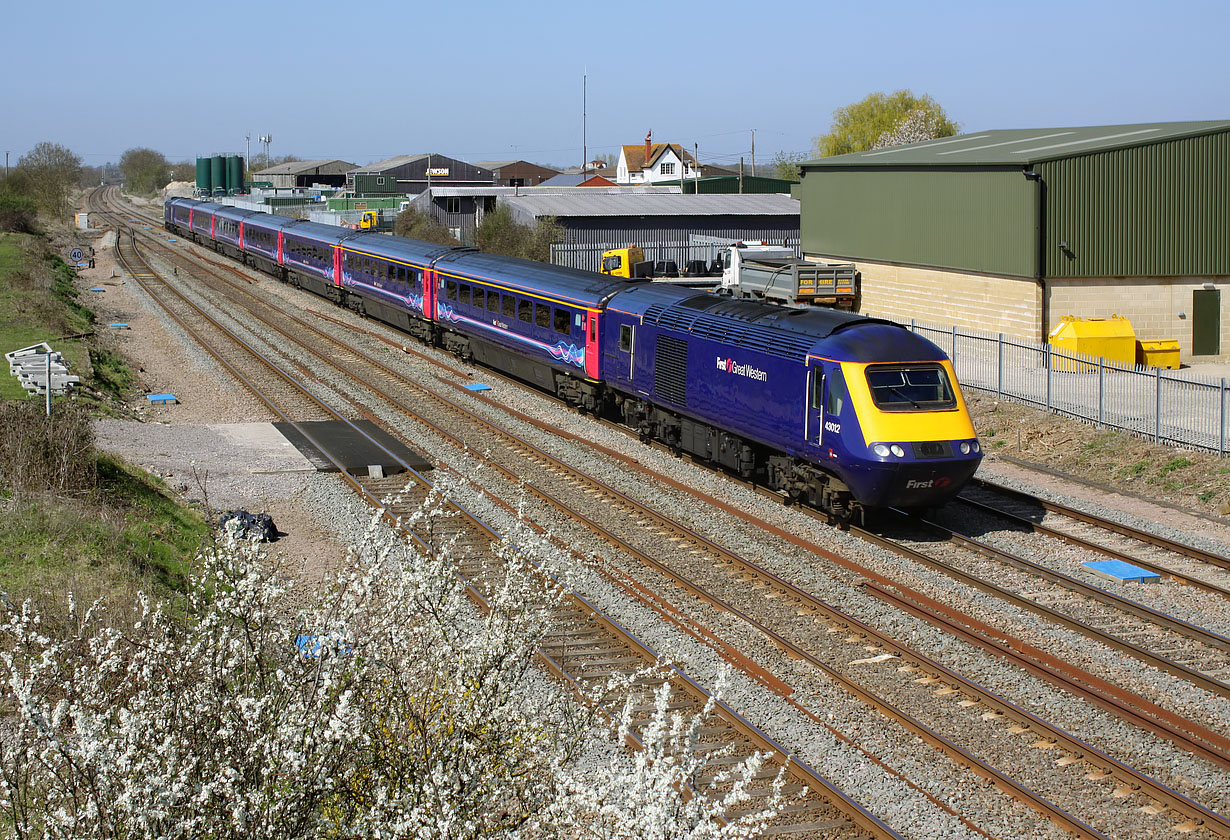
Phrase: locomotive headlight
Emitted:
{"points": [[964, 447], [897, 450], [880, 449], [977, 446]]}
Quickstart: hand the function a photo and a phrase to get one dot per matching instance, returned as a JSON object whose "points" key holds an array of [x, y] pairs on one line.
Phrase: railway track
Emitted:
{"points": [[1198, 567], [953, 690], [587, 646]]}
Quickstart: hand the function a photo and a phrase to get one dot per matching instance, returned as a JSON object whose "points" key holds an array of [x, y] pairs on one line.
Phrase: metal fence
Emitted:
{"points": [[682, 247], [1148, 402]]}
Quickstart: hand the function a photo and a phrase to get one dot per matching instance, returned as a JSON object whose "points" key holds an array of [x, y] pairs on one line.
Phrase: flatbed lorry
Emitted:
{"points": [[775, 275], [755, 270]]}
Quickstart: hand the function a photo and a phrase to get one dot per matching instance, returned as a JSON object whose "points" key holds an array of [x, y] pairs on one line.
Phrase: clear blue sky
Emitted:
{"points": [[482, 80]]}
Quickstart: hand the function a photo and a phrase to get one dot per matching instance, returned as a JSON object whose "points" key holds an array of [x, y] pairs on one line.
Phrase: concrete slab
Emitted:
{"points": [[355, 451], [1121, 572]]}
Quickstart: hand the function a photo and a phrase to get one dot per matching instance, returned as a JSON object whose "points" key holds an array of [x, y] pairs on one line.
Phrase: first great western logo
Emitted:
{"points": [[751, 372]]}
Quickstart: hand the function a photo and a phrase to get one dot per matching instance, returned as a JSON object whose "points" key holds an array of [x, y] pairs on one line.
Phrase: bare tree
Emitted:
{"points": [[52, 170]]}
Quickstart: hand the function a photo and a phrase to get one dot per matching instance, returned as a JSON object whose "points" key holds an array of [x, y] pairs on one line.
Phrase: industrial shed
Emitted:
{"points": [[517, 173], [305, 173], [1008, 231], [666, 226], [411, 174]]}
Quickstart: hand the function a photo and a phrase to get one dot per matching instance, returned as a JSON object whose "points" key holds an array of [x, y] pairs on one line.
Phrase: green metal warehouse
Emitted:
{"points": [[1008, 231]]}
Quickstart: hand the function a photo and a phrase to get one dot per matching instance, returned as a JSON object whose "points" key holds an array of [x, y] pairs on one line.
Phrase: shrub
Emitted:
{"points": [[46, 454], [415, 225]]}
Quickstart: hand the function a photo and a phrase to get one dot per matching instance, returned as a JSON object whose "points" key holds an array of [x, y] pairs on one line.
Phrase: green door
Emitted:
{"points": [[1206, 322]]}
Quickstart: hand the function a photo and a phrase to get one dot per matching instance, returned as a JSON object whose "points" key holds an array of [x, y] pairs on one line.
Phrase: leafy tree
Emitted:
{"points": [[52, 171], [500, 234], [786, 165], [857, 127], [415, 225], [145, 170]]}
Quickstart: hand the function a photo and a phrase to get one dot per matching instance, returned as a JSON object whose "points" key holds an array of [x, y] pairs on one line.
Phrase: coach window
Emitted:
{"points": [[464, 292], [450, 290], [392, 273], [401, 274], [525, 310], [493, 300], [510, 306], [480, 297], [625, 338], [542, 315], [561, 321]]}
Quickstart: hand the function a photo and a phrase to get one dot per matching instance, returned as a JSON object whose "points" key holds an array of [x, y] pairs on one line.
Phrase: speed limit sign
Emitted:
{"points": [[76, 254]]}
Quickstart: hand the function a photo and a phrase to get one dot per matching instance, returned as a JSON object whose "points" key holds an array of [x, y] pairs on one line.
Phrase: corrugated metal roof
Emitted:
{"points": [[588, 204], [389, 163], [543, 189], [297, 167], [1022, 146]]}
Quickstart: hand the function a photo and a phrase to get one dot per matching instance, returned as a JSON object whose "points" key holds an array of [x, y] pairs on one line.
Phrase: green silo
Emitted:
{"points": [[234, 174], [217, 174], [203, 184]]}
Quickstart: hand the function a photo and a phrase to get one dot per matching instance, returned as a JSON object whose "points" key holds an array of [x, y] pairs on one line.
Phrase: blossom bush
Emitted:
{"points": [[387, 706]]}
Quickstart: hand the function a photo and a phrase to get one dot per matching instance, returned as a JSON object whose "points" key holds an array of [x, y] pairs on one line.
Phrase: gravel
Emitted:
{"points": [[335, 512]]}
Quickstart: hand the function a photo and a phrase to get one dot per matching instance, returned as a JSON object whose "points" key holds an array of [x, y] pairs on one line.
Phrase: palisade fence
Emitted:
{"points": [[1144, 401]]}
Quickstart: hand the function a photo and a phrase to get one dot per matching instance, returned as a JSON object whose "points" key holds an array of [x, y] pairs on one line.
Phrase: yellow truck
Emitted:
{"points": [[620, 262]]}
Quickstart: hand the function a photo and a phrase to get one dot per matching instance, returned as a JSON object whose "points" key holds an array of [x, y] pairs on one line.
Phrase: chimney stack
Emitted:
{"points": [[647, 151]]}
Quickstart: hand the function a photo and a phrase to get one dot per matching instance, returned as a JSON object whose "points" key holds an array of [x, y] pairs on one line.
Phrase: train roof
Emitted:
{"points": [[313, 231], [207, 206], [396, 247], [792, 333], [228, 212], [572, 285]]}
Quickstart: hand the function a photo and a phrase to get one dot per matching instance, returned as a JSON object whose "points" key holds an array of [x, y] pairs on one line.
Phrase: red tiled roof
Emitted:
{"points": [[635, 155]]}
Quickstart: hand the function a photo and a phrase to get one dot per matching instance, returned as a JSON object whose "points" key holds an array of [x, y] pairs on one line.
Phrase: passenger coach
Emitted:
{"points": [[835, 409]]}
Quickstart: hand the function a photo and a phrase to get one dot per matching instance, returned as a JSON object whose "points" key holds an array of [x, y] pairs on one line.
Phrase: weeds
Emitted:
{"points": [[1174, 464]]}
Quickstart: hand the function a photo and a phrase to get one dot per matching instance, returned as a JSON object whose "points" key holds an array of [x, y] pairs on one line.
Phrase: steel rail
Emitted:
{"points": [[857, 813], [1174, 546], [1089, 545], [1124, 769]]}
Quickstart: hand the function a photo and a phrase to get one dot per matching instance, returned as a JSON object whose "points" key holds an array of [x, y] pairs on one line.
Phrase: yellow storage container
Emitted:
{"points": [[1163, 353], [1111, 338]]}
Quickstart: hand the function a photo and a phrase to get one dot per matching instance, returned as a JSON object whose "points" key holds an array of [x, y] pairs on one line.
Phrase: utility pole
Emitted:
{"points": [[740, 174], [753, 153], [584, 120], [695, 169], [6, 164], [247, 151]]}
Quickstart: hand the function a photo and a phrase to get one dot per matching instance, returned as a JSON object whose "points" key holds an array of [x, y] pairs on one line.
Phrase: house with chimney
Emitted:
{"points": [[652, 163]]}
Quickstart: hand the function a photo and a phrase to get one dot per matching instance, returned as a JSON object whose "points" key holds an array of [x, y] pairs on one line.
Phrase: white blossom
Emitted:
{"points": [[405, 713]]}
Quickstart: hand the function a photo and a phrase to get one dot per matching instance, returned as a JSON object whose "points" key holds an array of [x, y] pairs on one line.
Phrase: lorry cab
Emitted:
{"points": [[620, 262]]}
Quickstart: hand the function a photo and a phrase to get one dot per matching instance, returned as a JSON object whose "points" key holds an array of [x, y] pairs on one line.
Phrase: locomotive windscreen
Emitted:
{"points": [[910, 387]]}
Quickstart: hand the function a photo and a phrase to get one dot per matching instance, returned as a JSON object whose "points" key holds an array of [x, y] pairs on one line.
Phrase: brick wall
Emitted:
{"points": [[1151, 304]]}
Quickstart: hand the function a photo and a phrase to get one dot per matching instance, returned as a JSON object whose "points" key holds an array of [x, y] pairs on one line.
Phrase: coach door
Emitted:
{"points": [[813, 415]]}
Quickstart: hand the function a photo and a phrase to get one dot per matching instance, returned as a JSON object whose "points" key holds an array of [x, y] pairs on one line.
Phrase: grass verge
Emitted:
{"points": [[128, 533]]}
